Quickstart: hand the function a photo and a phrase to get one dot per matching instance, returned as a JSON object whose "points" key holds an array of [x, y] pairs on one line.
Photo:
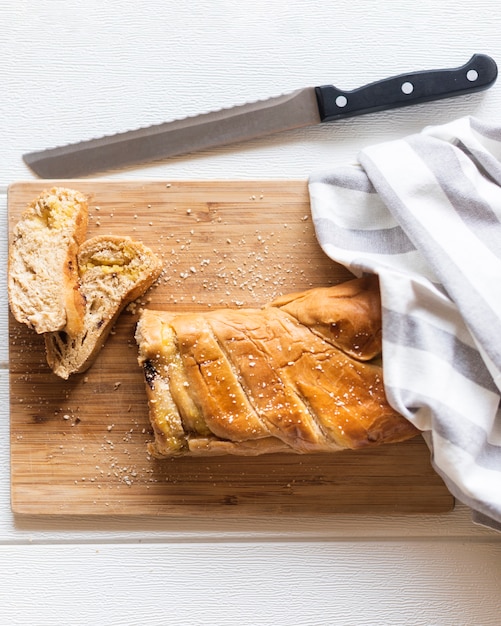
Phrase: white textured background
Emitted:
{"points": [[75, 70]]}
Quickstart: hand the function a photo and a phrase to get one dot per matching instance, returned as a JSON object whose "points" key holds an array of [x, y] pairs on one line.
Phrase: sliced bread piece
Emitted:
{"points": [[114, 271], [43, 278]]}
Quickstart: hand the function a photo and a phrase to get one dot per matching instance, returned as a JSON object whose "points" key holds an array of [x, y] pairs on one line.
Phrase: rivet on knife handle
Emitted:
{"points": [[303, 107], [478, 74]]}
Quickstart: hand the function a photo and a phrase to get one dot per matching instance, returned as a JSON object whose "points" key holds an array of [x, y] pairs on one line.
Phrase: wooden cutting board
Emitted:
{"points": [[79, 446]]}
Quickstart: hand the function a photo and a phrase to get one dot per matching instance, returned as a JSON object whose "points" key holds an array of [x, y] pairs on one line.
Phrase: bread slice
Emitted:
{"points": [[114, 271], [43, 278]]}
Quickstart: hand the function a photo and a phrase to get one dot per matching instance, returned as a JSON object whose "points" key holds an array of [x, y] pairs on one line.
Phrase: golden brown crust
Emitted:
{"points": [[357, 334], [293, 376]]}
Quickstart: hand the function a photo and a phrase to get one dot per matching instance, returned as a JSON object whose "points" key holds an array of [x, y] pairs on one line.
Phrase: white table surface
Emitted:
{"points": [[75, 70]]}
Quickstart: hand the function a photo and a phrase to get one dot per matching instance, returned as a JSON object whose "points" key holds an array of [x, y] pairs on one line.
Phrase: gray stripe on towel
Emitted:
{"points": [[455, 428], [407, 331], [384, 241], [346, 177]]}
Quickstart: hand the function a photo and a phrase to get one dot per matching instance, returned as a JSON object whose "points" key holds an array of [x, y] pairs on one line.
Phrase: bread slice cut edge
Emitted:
{"points": [[43, 289]]}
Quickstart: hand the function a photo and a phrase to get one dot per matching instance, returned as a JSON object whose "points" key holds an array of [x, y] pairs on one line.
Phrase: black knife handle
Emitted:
{"points": [[479, 73]]}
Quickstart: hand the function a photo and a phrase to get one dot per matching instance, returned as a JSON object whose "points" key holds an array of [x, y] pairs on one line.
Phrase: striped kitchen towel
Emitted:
{"points": [[424, 214]]}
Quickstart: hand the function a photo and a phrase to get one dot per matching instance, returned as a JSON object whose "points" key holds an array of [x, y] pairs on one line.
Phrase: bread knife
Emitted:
{"points": [[303, 107]]}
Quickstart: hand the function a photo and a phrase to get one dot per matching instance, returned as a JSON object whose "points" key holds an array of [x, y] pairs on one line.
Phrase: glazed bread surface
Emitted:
{"points": [[302, 374], [42, 276]]}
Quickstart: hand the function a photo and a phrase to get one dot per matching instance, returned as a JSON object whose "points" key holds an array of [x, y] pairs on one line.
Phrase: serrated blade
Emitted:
{"points": [[191, 134]]}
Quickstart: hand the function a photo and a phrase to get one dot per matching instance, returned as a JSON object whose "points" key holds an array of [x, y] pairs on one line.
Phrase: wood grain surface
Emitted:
{"points": [[79, 446]]}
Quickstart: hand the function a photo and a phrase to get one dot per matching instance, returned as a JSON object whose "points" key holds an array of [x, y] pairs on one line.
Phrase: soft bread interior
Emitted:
{"points": [[113, 271], [43, 277]]}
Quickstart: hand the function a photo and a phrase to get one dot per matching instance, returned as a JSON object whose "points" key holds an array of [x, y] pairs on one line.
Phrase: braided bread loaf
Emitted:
{"points": [[301, 374]]}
